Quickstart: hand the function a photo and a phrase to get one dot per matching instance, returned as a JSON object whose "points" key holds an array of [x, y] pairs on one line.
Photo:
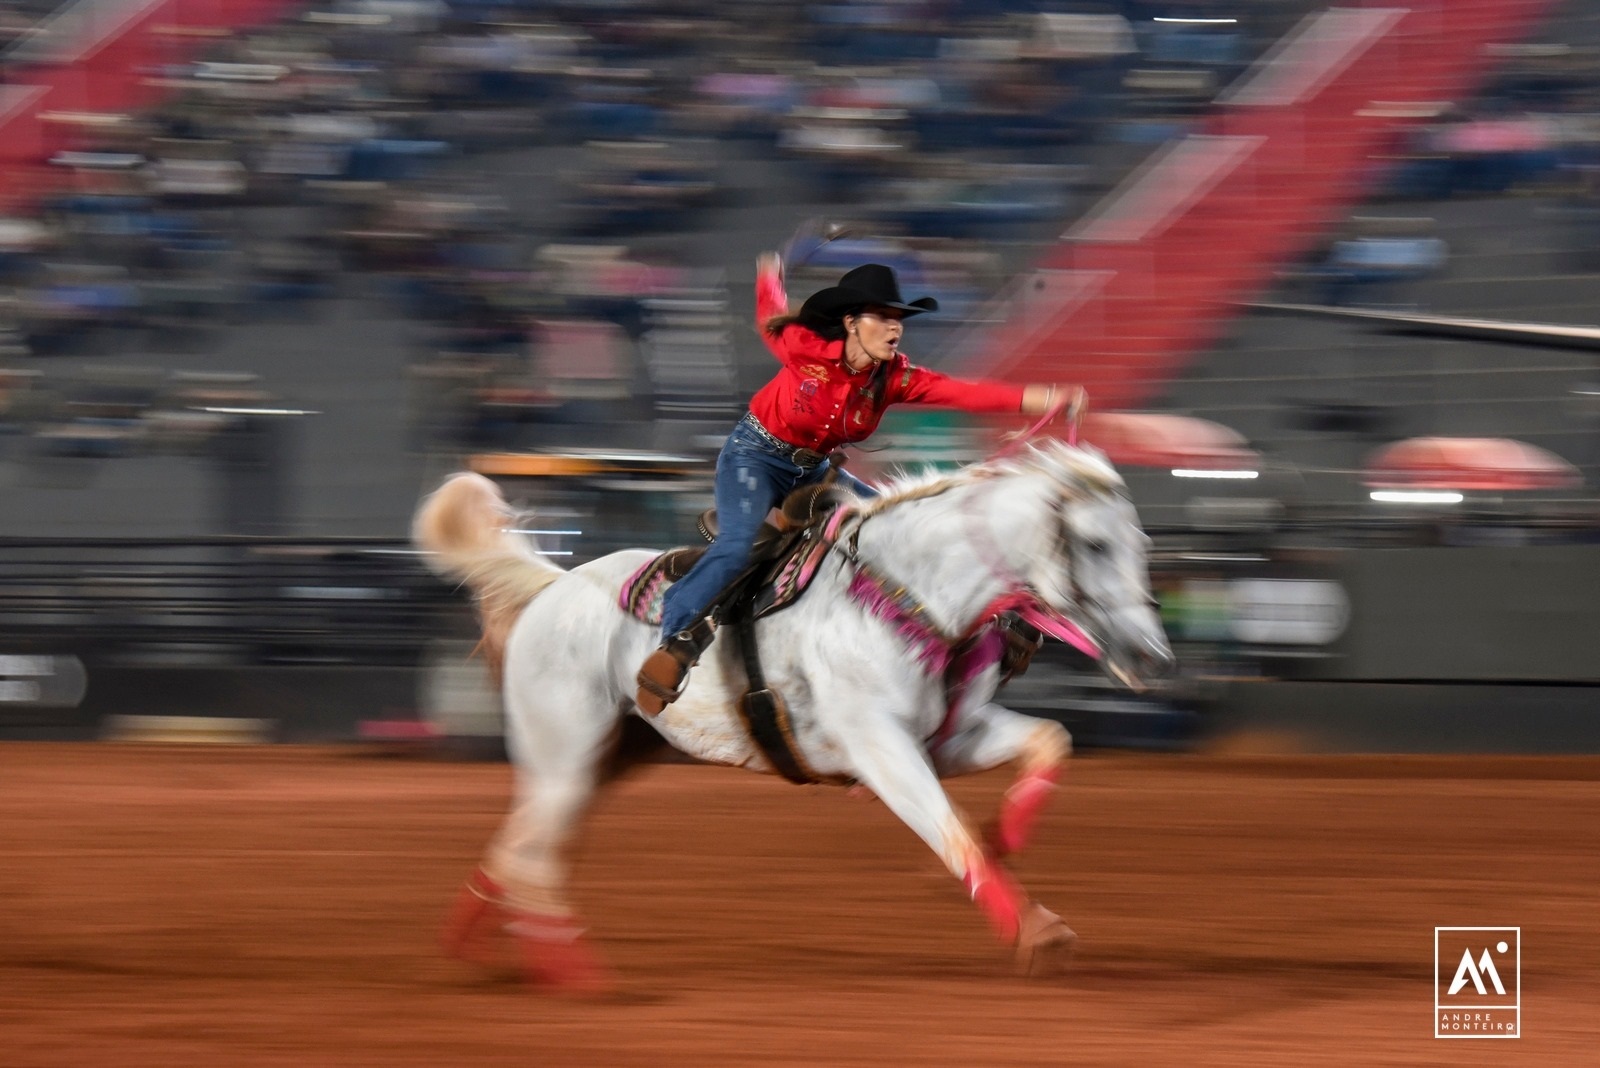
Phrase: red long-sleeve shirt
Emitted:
{"points": [[816, 402]]}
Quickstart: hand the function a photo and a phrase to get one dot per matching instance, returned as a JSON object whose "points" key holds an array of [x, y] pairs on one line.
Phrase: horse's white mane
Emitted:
{"points": [[1081, 466], [1077, 467]]}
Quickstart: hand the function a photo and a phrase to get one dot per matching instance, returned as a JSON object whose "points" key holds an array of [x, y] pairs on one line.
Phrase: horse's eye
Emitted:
{"points": [[1098, 547]]}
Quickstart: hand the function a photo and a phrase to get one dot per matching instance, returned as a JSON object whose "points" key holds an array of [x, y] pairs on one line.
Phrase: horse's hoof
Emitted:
{"points": [[1044, 942]]}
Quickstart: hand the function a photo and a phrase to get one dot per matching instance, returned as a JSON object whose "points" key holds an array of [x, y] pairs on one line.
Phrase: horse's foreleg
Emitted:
{"points": [[895, 767], [993, 735]]}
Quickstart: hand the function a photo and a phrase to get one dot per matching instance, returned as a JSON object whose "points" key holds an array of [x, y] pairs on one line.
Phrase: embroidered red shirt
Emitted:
{"points": [[816, 402]]}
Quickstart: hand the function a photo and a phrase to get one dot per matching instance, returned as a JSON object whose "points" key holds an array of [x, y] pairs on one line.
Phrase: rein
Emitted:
{"points": [[1073, 407]]}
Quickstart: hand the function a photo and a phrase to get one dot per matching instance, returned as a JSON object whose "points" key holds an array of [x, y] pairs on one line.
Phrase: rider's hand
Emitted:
{"points": [[1064, 400], [1077, 402], [770, 263]]}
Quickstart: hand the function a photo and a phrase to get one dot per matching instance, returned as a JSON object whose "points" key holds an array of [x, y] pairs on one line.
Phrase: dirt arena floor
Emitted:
{"points": [[172, 906]]}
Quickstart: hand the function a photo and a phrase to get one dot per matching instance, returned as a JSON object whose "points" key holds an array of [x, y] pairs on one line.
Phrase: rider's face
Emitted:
{"points": [[877, 331]]}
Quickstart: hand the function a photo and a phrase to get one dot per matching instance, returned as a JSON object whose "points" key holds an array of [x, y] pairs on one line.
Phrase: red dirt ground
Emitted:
{"points": [[277, 906]]}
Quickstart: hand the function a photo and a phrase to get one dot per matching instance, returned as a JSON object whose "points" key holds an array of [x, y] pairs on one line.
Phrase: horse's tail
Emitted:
{"points": [[464, 524]]}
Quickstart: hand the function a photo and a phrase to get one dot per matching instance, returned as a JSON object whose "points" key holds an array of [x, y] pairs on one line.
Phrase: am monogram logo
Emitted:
{"points": [[1482, 998], [1484, 967]]}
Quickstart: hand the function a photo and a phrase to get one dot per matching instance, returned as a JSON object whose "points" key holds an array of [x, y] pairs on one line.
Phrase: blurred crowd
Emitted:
{"points": [[1534, 129], [336, 145], [351, 147]]}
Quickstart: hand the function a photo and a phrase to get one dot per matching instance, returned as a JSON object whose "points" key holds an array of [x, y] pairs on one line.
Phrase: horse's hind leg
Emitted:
{"points": [[521, 886], [527, 855], [522, 880], [894, 766], [993, 735]]}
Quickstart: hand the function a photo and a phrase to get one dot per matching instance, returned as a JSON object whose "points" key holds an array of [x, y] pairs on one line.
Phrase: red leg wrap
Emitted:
{"points": [[472, 919], [555, 953], [1019, 811], [999, 896]]}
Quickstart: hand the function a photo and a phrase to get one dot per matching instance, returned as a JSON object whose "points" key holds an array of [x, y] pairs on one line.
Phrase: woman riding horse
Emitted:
{"points": [[842, 367]]}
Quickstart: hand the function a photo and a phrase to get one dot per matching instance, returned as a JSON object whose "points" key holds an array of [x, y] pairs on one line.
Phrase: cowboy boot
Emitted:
{"points": [[662, 678]]}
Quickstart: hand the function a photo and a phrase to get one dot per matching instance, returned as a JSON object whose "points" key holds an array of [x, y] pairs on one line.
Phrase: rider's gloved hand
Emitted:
{"points": [[1068, 401], [1077, 402]]}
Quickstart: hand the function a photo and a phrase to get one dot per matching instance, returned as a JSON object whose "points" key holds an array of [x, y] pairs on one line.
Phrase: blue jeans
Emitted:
{"points": [[751, 480]]}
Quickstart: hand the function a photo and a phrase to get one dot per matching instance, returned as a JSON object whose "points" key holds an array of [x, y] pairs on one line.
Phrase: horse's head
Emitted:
{"points": [[1092, 567]]}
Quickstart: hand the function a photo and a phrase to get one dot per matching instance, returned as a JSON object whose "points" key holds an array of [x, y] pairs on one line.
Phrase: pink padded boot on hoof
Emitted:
{"points": [[1019, 813], [998, 896]]}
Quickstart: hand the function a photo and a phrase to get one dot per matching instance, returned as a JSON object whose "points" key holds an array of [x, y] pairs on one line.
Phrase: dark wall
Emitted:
{"points": [[1366, 717], [1471, 614], [304, 704]]}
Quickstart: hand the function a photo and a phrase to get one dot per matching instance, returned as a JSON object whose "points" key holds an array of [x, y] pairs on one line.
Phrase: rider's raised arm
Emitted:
{"points": [[790, 340], [771, 298], [772, 301]]}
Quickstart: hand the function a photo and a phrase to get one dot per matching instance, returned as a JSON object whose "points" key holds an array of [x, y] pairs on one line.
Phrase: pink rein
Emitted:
{"points": [[1073, 407]]}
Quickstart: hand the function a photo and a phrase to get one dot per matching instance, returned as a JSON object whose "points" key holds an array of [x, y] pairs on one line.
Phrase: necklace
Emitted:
{"points": [[850, 368]]}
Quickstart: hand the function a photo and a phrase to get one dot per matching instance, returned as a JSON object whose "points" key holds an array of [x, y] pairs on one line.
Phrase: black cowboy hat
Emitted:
{"points": [[870, 285]]}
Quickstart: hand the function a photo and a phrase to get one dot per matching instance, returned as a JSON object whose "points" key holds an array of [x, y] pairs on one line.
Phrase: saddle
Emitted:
{"points": [[783, 558]]}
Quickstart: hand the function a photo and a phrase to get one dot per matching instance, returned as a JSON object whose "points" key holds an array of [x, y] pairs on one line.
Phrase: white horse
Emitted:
{"points": [[1051, 525]]}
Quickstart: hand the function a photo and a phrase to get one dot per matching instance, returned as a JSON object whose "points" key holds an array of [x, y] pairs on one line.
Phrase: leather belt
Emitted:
{"points": [[802, 458]]}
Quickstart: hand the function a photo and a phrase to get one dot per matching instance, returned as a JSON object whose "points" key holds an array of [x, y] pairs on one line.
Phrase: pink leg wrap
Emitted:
{"points": [[999, 896], [472, 918], [555, 953], [1019, 811]]}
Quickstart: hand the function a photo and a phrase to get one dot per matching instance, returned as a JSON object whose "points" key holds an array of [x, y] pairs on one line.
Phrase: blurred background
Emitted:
{"points": [[269, 270]]}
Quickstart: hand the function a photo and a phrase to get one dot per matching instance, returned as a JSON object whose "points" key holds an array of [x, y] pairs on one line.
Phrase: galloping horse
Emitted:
{"points": [[1049, 527]]}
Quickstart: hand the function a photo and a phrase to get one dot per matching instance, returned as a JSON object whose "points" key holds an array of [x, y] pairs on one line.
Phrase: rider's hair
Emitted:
{"points": [[830, 329]]}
